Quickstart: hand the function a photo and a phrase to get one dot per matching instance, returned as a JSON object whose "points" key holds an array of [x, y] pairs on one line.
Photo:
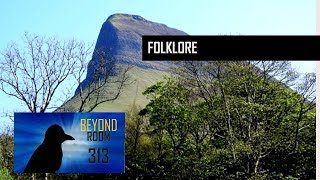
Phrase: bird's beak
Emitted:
{"points": [[68, 137]]}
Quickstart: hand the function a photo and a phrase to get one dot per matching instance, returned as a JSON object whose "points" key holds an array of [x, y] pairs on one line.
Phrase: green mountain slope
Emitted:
{"points": [[131, 94]]}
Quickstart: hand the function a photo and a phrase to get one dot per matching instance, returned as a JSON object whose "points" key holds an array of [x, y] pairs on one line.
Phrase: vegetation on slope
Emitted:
{"points": [[237, 125], [219, 120]]}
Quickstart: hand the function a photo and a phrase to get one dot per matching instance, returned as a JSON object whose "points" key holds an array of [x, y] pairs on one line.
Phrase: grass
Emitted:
{"points": [[131, 94]]}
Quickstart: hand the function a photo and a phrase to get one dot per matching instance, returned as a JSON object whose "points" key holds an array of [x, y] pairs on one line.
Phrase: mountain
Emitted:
{"points": [[121, 35], [121, 38]]}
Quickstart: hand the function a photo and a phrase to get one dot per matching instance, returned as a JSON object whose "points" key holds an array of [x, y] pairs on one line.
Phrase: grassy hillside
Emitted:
{"points": [[132, 93]]}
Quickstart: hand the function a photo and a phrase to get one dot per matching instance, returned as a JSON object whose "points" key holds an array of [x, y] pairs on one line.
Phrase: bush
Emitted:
{"points": [[5, 174]]}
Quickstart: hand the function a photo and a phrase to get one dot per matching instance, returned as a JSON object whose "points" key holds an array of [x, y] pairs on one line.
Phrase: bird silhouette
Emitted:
{"points": [[47, 157]]}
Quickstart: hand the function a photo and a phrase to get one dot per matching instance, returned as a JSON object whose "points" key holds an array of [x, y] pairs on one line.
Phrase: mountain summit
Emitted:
{"points": [[121, 38], [121, 35], [120, 42]]}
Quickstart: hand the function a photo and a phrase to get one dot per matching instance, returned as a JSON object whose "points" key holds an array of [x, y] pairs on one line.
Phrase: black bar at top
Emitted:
{"points": [[240, 48]]}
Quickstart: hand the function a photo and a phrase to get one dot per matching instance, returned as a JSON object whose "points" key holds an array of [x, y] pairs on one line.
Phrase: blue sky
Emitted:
{"points": [[82, 19]]}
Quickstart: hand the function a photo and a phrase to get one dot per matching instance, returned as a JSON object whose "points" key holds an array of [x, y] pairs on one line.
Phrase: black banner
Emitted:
{"points": [[230, 48]]}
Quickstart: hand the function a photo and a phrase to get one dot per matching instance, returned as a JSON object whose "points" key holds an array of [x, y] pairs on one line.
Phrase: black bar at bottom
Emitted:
{"points": [[231, 48]]}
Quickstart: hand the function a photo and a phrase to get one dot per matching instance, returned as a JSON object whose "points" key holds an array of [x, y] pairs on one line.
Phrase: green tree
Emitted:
{"points": [[234, 120]]}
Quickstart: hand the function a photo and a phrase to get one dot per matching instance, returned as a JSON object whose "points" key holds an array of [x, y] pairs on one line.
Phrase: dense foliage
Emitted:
{"points": [[225, 121], [221, 120]]}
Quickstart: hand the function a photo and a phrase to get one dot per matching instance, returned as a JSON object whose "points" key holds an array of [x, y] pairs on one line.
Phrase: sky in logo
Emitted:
{"points": [[30, 128]]}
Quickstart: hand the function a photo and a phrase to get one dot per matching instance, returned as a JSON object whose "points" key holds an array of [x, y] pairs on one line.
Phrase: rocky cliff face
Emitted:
{"points": [[121, 37]]}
